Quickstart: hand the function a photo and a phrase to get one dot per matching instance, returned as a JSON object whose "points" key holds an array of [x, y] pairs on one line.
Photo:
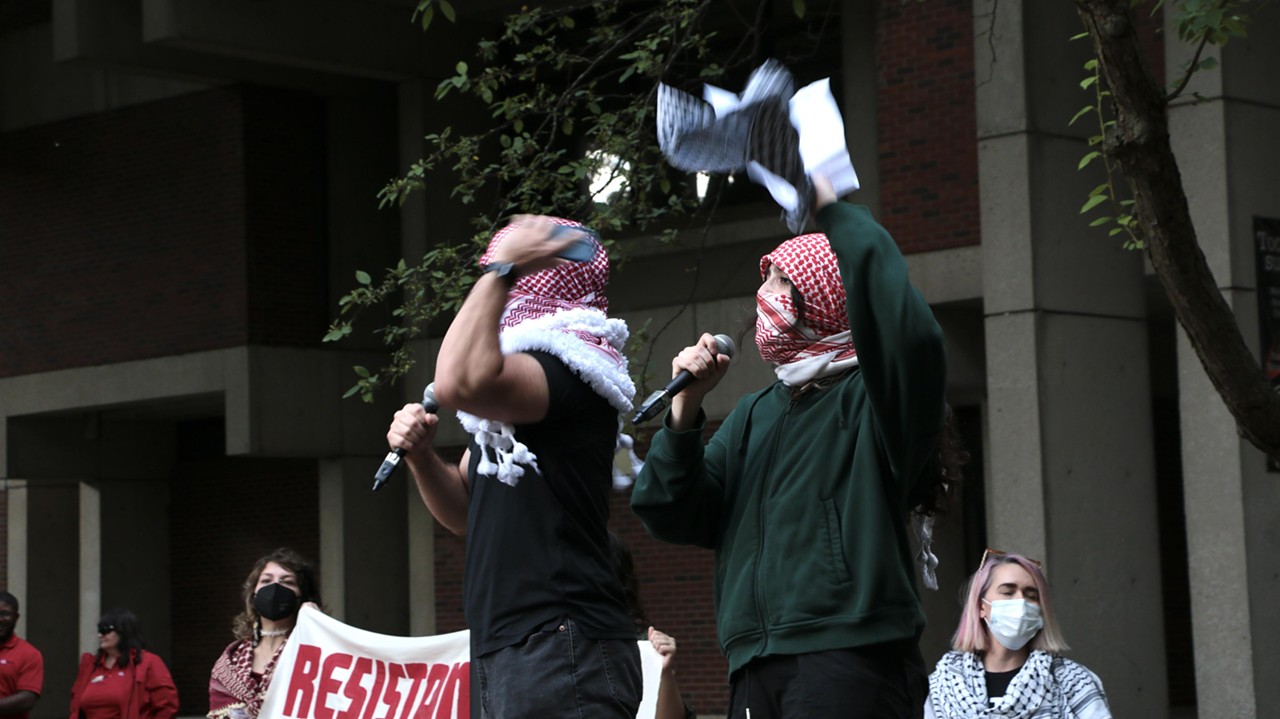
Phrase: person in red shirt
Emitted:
{"points": [[21, 665], [123, 680]]}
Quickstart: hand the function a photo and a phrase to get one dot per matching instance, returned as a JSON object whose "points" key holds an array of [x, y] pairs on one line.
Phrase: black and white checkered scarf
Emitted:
{"points": [[1047, 687]]}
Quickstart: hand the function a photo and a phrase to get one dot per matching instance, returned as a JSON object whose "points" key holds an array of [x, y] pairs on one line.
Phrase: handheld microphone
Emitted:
{"points": [[393, 457], [659, 400]]}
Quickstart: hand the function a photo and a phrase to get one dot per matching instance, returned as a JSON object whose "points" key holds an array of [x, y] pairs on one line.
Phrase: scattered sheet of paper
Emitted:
{"points": [[822, 145]]}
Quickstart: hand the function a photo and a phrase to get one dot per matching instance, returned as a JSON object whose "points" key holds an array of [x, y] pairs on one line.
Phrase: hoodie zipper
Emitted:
{"points": [[762, 605]]}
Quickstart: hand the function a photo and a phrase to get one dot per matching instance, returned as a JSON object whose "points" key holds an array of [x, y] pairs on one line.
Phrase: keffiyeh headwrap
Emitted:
{"points": [[561, 311], [1046, 687], [822, 345]]}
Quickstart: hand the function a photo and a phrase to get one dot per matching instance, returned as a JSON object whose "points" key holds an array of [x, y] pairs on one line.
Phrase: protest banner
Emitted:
{"points": [[331, 670]]}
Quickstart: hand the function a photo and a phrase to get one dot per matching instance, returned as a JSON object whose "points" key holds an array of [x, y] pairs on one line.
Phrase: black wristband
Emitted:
{"points": [[504, 270]]}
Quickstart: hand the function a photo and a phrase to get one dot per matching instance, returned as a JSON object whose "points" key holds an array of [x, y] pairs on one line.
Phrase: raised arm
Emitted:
{"points": [[899, 342], [472, 374]]}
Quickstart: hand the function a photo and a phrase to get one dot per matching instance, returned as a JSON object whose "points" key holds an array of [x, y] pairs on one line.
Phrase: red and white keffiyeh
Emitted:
{"points": [[820, 346], [559, 310]]}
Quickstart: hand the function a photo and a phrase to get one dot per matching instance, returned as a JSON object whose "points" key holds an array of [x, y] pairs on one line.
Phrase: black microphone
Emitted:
{"points": [[659, 400], [393, 457]]}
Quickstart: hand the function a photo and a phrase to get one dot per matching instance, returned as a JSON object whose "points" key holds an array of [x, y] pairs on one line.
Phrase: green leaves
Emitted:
{"points": [[1104, 193], [550, 93], [1093, 202], [426, 9]]}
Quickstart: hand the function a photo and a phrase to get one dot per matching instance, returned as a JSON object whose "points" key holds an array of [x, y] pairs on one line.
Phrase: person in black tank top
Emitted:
{"points": [[534, 367]]}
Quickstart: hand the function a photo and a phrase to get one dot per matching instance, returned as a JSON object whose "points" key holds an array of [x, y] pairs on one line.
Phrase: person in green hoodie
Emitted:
{"points": [[805, 489]]}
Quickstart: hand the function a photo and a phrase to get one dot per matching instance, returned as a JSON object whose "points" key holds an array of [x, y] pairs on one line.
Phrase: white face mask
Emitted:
{"points": [[1014, 622]]}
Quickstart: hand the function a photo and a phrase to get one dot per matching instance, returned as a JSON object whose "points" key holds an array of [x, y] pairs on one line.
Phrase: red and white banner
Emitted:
{"points": [[330, 670]]}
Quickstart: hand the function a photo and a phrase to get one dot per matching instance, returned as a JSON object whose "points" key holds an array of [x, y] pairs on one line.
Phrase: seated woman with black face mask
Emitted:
{"points": [[1006, 659], [279, 584]]}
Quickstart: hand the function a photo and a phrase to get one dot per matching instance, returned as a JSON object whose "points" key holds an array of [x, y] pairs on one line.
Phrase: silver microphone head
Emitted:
{"points": [[725, 345], [429, 398]]}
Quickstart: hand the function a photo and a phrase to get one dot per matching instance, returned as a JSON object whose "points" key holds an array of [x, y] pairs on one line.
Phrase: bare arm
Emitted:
{"points": [[670, 705], [472, 374], [19, 702], [443, 486]]}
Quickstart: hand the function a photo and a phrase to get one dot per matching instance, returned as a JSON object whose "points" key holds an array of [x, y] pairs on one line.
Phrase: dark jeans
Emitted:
{"points": [[558, 673], [881, 681]]}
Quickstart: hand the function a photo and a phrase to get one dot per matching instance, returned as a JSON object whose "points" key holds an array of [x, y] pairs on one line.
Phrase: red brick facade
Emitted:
{"points": [[927, 125], [172, 227]]}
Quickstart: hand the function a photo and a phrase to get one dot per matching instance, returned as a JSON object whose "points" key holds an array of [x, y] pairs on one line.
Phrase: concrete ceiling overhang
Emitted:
{"points": [[334, 46]]}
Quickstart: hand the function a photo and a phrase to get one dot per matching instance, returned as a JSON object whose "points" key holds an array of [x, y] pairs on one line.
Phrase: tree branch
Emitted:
{"points": [[1191, 70], [1142, 149]]}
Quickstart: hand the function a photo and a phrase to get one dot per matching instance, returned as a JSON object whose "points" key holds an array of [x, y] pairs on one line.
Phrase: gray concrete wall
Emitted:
{"points": [[35, 90], [1071, 469], [1229, 156]]}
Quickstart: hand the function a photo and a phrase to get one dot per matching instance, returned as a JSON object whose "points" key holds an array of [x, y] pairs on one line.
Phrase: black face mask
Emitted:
{"points": [[276, 601]]}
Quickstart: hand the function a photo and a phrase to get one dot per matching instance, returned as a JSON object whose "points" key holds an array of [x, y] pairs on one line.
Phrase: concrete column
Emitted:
{"points": [[16, 546], [1070, 477], [51, 595], [90, 565], [363, 552], [1229, 157]]}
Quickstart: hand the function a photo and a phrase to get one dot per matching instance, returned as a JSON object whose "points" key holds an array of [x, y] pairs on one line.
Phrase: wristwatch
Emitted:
{"points": [[504, 270]]}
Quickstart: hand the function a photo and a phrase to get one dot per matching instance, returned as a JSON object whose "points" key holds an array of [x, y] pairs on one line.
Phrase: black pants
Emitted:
{"points": [[558, 673], [880, 681]]}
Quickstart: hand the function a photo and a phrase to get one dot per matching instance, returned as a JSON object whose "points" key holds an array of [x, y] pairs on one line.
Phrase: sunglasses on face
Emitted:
{"points": [[104, 628], [990, 553]]}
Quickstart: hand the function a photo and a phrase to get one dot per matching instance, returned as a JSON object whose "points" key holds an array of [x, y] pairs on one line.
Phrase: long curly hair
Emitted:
{"points": [[247, 621], [932, 492]]}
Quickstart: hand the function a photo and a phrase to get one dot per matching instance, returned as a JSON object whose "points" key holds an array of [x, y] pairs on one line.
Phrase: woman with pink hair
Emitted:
{"points": [[1006, 658]]}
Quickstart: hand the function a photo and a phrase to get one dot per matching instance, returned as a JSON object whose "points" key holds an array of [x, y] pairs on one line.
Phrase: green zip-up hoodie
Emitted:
{"points": [[805, 501]]}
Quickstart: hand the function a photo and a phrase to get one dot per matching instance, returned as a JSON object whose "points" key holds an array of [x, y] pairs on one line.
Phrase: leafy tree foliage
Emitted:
{"points": [[570, 89]]}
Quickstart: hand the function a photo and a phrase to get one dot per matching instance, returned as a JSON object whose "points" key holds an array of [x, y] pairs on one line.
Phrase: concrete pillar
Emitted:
{"points": [[1229, 157], [1071, 471], [363, 552], [90, 565], [46, 534]]}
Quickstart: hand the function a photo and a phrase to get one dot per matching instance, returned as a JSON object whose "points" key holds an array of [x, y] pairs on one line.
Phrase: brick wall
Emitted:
{"points": [[284, 140], [927, 126], [177, 226], [226, 513]]}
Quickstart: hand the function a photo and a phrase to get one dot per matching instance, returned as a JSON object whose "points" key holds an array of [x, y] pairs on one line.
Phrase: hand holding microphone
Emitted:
{"points": [[700, 359], [392, 459]]}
